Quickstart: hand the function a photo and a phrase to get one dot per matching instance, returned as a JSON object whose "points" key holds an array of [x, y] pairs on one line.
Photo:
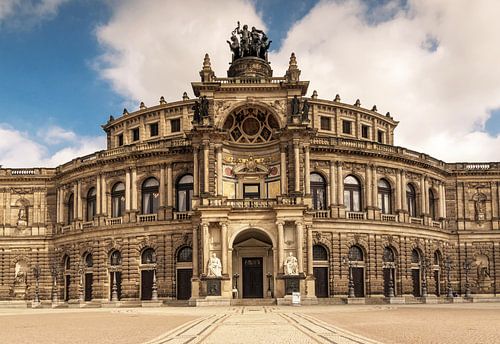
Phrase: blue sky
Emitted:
{"points": [[56, 91]]}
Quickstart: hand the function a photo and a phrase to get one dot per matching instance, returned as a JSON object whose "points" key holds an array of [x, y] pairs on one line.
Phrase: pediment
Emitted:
{"points": [[252, 242]]}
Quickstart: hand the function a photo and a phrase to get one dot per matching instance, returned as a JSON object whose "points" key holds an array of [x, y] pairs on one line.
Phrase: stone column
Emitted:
{"points": [[195, 251], [219, 169], [397, 191], [374, 187], [300, 245], [223, 227], [309, 251], [296, 159], [58, 208], [98, 195], [333, 184], [127, 190], [196, 171], [307, 171], [340, 184], [170, 186], [206, 184], [281, 244], [104, 199], [134, 187], [426, 200], [283, 170], [442, 200], [403, 191], [80, 201], [206, 246], [75, 201], [422, 195], [162, 186], [368, 197]]}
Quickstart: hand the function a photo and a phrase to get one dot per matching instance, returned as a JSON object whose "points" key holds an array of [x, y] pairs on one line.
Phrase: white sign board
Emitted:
{"points": [[295, 298]]}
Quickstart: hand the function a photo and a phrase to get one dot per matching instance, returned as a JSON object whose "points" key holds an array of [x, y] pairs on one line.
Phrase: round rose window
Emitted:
{"points": [[250, 125]]}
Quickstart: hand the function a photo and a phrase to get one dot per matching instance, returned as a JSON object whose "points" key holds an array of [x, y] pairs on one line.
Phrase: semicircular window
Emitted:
{"points": [[251, 125]]}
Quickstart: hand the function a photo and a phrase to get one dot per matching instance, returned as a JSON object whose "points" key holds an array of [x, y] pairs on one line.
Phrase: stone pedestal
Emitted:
{"points": [[395, 300], [354, 300], [429, 299]]}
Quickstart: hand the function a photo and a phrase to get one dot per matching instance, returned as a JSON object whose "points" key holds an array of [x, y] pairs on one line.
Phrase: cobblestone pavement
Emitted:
{"points": [[443, 324], [259, 325]]}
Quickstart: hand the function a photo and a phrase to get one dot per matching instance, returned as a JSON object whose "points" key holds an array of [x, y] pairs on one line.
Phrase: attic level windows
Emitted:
{"points": [[175, 125], [380, 136], [325, 123], [346, 127], [365, 131], [153, 129], [135, 134], [119, 140]]}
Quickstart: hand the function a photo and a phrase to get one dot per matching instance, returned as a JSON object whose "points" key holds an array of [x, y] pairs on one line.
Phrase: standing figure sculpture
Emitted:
{"points": [[244, 39], [214, 266], [295, 106], [204, 106], [290, 267], [305, 111], [196, 115]]}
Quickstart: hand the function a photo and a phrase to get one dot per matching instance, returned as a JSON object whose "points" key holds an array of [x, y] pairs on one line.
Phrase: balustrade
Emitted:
{"points": [[147, 218]]}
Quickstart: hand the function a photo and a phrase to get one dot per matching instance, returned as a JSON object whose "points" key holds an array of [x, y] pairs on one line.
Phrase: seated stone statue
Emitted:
{"points": [[214, 266], [290, 266]]}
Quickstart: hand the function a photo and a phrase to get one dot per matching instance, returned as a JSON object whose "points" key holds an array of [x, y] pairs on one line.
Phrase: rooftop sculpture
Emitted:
{"points": [[250, 43]]}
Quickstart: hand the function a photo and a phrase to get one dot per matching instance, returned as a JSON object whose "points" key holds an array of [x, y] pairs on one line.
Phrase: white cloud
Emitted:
{"points": [[19, 149], [433, 65], [156, 48], [442, 98], [27, 12]]}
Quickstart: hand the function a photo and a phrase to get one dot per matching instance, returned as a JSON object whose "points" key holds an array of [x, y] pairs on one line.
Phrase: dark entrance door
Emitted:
{"points": [[387, 279], [437, 282], [184, 284], [321, 283], [415, 275], [253, 286], [118, 284], [67, 282], [359, 282], [88, 286], [146, 284]]}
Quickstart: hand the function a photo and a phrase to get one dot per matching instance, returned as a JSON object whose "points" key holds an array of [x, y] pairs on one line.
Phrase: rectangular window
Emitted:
{"points": [[251, 191], [175, 125], [135, 134], [325, 123], [153, 129], [365, 131], [119, 140], [380, 136], [347, 127]]}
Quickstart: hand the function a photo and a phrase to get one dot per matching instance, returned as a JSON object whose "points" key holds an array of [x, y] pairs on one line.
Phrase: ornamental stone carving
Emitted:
{"points": [[214, 266], [290, 267]]}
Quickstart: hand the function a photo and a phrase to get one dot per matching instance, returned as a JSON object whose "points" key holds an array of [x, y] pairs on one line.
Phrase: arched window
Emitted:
{"points": [[150, 196], [115, 258], [118, 199], [185, 255], [415, 256], [251, 125], [411, 200], [148, 256], [67, 263], [388, 255], [71, 209], [384, 196], [356, 254], [318, 191], [184, 192], [437, 258], [432, 205], [320, 253], [352, 194], [89, 261], [91, 204]]}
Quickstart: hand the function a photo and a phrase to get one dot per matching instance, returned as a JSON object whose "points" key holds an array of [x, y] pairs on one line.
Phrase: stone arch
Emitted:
{"points": [[239, 231]]}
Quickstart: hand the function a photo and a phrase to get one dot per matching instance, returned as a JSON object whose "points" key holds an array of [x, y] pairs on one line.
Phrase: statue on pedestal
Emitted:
{"points": [[22, 216], [290, 266], [214, 266], [295, 106]]}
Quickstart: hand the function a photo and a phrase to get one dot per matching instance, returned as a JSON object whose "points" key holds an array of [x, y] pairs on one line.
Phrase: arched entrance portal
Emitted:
{"points": [[253, 264]]}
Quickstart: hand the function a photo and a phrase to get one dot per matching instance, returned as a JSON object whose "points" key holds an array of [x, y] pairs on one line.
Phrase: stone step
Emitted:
{"points": [[253, 302]]}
